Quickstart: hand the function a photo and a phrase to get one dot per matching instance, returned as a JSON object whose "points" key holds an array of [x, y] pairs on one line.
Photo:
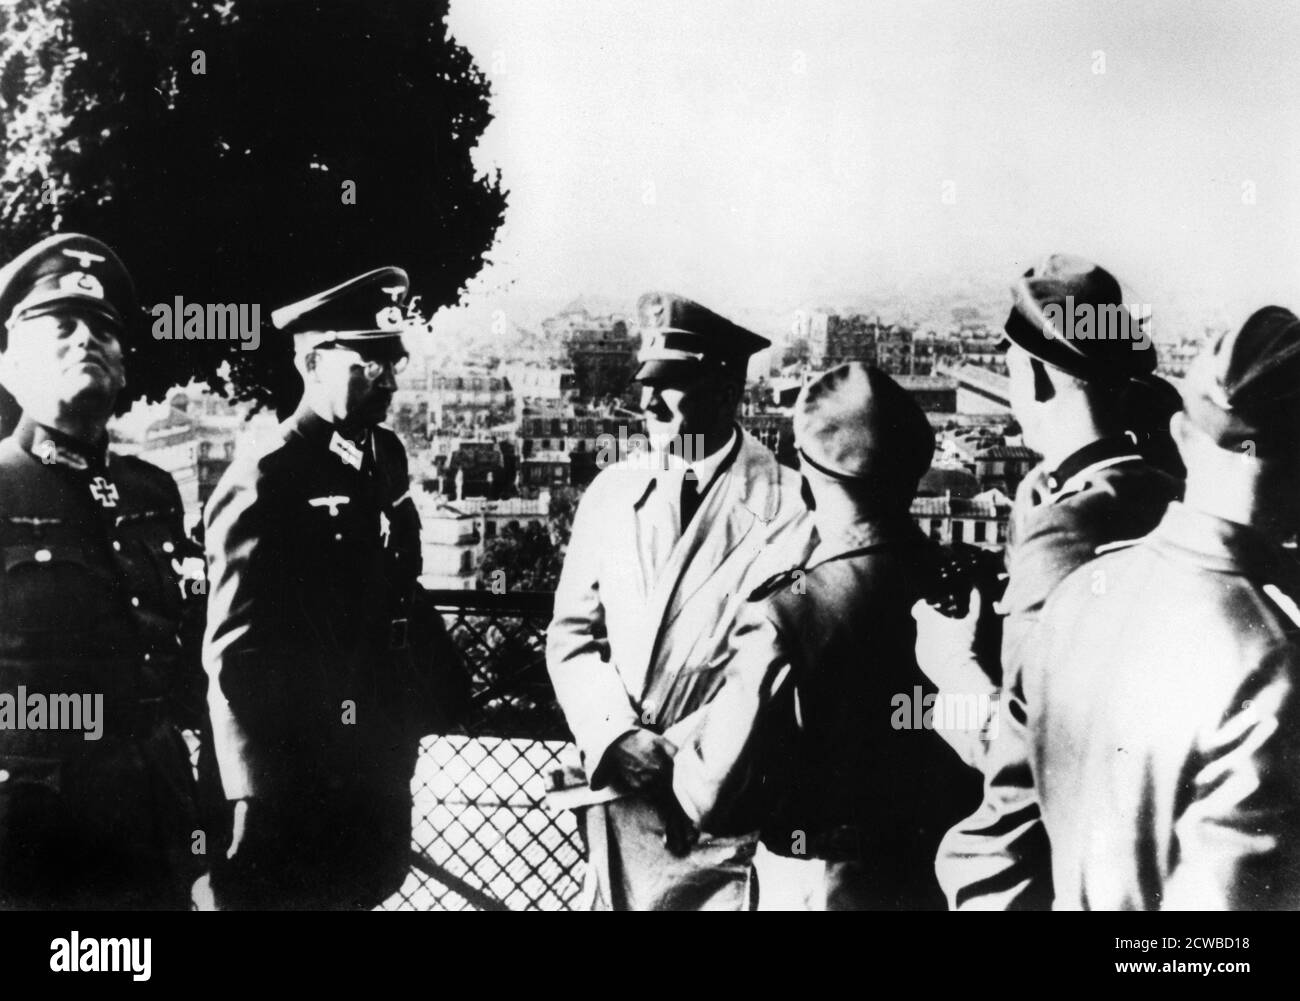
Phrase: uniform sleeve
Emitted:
{"points": [[189, 693], [587, 685], [998, 858], [246, 588], [405, 527], [973, 743], [721, 775], [1239, 838]]}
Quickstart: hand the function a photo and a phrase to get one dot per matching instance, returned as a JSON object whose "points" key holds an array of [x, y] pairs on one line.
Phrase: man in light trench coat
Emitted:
{"points": [[664, 550]]}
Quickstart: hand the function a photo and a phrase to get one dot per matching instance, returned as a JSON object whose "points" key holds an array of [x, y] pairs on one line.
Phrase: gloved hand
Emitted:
{"points": [[945, 649], [641, 761]]}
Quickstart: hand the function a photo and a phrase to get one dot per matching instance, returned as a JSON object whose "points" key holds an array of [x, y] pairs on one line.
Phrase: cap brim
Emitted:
{"points": [[1027, 333], [43, 304], [666, 368], [369, 340]]}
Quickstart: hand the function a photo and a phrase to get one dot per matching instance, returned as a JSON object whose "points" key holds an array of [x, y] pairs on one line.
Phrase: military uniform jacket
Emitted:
{"points": [[1166, 749], [314, 552], [99, 595], [803, 738], [1103, 494]]}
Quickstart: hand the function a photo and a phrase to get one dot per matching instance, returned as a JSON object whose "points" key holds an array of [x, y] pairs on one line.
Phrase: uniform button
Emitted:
{"points": [[117, 546], [135, 602], [168, 547], [4, 775], [43, 555], [338, 536], [148, 657]]}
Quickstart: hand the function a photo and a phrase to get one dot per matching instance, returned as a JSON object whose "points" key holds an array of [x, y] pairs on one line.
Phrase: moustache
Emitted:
{"points": [[96, 358]]}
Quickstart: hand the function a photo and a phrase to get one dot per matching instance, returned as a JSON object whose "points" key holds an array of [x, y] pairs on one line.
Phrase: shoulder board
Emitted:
{"points": [[1284, 602], [1111, 547], [776, 582]]}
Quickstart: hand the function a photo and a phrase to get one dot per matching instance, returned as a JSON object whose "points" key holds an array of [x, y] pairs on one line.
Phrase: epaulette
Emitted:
{"points": [[776, 583], [1284, 602], [1116, 546]]}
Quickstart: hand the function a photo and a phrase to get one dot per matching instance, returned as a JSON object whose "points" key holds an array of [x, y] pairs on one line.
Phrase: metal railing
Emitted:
{"points": [[483, 838]]}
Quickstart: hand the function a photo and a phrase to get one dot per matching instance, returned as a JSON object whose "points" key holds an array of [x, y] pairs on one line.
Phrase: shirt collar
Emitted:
{"points": [[756, 467], [707, 468], [53, 447]]}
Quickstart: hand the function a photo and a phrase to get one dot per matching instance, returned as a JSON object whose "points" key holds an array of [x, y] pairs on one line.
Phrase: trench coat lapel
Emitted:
{"points": [[722, 522], [654, 529], [744, 494]]}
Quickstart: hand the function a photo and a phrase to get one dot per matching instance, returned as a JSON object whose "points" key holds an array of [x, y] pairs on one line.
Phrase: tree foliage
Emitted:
{"points": [[527, 558], [212, 144]]}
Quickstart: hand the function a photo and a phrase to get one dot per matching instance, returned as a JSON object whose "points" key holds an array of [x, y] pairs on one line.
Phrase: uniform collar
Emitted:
{"points": [[1225, 546], [1095, 455], [316, 430], [53, 447], [869, 533], [312, 425]]}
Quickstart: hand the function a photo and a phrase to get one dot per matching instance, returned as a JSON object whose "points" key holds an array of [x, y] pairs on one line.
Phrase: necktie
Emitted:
{"points": [[690, 497]]}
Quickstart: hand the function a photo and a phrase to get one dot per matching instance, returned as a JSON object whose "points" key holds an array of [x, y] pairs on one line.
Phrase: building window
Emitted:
{"points": [[979, 530], [958, 531]]}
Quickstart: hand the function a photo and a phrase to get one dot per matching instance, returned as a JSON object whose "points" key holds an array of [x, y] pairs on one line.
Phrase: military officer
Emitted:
{"points": [[1166, 747], [1073, 397], [802, 738], [97, 595], [314, 552], [646, 602]]}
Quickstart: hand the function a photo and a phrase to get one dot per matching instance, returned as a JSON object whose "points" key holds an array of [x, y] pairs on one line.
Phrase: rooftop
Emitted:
{"points": [[981, 506], [1008, 452]]}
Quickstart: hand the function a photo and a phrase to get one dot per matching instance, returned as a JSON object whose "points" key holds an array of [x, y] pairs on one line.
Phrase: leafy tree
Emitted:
{"points": [[527, 557], [562, 508], [245, 151], [796, 352]]}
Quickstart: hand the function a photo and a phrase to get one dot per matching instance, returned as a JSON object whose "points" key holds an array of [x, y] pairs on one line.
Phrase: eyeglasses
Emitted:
{"points": [[373, 369]]}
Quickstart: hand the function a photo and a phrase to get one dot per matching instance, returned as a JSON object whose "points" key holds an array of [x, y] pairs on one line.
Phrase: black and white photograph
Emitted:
{"points": [[649, 455]]}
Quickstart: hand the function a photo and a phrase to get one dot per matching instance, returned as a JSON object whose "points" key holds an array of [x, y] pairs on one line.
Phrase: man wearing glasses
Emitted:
{"points": [[314, 550]]}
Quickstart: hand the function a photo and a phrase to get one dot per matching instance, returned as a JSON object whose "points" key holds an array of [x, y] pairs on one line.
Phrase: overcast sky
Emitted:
{"points": [[768, 154]]}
